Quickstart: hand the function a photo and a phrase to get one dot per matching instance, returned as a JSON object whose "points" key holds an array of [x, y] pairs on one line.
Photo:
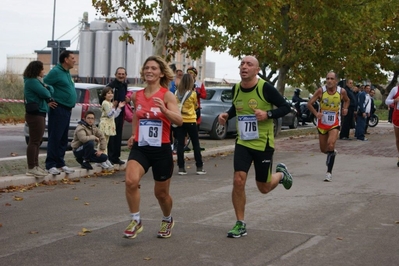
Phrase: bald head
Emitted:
{"points": [[251, 59], [249, 69]]}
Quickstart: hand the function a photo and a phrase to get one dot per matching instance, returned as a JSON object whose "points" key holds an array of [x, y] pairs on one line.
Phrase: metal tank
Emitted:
{"points": [[118, 52], [148, 49], [98, 24], [102, 55], [135, 56], [86, 55]]}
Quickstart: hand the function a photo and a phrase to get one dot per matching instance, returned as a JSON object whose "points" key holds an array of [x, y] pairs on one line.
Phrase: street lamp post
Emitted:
{"points": [[56, 46], [52, 36]]}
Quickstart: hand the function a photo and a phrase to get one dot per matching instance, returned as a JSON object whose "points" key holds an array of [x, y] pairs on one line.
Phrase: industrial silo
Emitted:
{"points": [[135, 56], [118, 52], [98, 24], [148, 49], [102, 56], [86, 55]]}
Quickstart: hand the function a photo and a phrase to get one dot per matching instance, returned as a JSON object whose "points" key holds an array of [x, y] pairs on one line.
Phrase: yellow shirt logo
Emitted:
{"points": [[252, 103]]}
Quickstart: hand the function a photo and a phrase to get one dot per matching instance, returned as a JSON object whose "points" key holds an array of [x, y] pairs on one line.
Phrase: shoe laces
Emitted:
{"points": [[164, 226], [132, 225]]}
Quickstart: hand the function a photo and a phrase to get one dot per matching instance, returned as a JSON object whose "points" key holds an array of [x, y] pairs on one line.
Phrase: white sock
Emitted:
{"points": [[135, 216], [167, 218]]}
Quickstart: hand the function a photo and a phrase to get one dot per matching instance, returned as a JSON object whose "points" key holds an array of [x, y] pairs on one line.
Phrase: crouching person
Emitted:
{"points": [[86, 137]]}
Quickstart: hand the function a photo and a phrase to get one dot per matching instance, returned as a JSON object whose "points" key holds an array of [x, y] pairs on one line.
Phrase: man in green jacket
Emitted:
{"points": [[60, 115]]}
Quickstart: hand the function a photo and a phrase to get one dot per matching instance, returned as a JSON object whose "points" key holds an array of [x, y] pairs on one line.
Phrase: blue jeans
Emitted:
{"points": [[360, 127], [58, 126], [192, 131], [87, 153]]}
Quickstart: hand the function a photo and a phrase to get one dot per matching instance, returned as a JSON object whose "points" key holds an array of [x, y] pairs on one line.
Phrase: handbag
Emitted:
{"points": [[186, 95], [32, 108]]}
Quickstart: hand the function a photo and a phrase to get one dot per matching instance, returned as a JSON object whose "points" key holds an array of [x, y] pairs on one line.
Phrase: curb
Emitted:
{"points": [[23, 179]]}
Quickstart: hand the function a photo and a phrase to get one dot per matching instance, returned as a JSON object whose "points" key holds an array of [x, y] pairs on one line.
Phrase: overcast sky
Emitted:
{"points": [[26, 26]]}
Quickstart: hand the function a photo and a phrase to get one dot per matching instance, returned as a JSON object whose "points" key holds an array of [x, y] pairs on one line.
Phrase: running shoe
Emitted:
{"points": [[133, 229], [67, 170], [238, 230], [287, 177], [328, 177], [182, 171], [53, 171], [166, 229]]}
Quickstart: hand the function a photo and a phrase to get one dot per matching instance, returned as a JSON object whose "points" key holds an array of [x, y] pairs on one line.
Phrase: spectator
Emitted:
{"points": [[187, 100], [175, 82], [60, 113], [363, 110], [119, 87], [348, 120], [85, 139], [37, 101], [199, 88], [109, 111]]}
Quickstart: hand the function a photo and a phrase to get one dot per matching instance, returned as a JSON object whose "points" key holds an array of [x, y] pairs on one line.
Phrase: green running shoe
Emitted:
{"points": [[238, 230], [287, 178]]}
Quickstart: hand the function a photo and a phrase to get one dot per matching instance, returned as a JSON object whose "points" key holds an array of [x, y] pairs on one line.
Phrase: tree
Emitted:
{"points": [[296, 41], [172, 25]]}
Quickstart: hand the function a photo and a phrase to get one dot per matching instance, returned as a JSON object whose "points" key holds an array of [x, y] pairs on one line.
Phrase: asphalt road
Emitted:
{"points": [[353, 220]]}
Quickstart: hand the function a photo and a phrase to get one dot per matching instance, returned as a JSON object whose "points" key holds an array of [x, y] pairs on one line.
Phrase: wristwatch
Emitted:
{"points": [[269, 114]]}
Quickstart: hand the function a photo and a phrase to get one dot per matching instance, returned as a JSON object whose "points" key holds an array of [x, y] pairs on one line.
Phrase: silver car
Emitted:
{"points": [[88, 98], [219, 100]]}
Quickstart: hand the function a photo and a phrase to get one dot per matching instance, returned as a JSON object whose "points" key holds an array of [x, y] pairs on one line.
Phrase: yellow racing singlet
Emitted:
{"points": [[330, 107]]}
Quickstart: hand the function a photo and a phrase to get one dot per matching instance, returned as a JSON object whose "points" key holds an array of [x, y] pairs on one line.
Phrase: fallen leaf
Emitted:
{"points": [[13, 154], [86, 203], [17, 198], [85, 230], [76, 198], [340, 238], [147, 258], [1, 225], [396, 222], [8, 204], [81, 234], [33, 232]]}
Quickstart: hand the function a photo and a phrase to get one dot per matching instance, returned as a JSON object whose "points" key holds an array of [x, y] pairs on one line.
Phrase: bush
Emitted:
{"points": [[11, 87]]}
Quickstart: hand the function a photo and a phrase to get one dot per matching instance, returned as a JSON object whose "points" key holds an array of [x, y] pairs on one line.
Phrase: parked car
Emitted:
{"points": [[291, 119], [219, 100], [88, 98]]}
